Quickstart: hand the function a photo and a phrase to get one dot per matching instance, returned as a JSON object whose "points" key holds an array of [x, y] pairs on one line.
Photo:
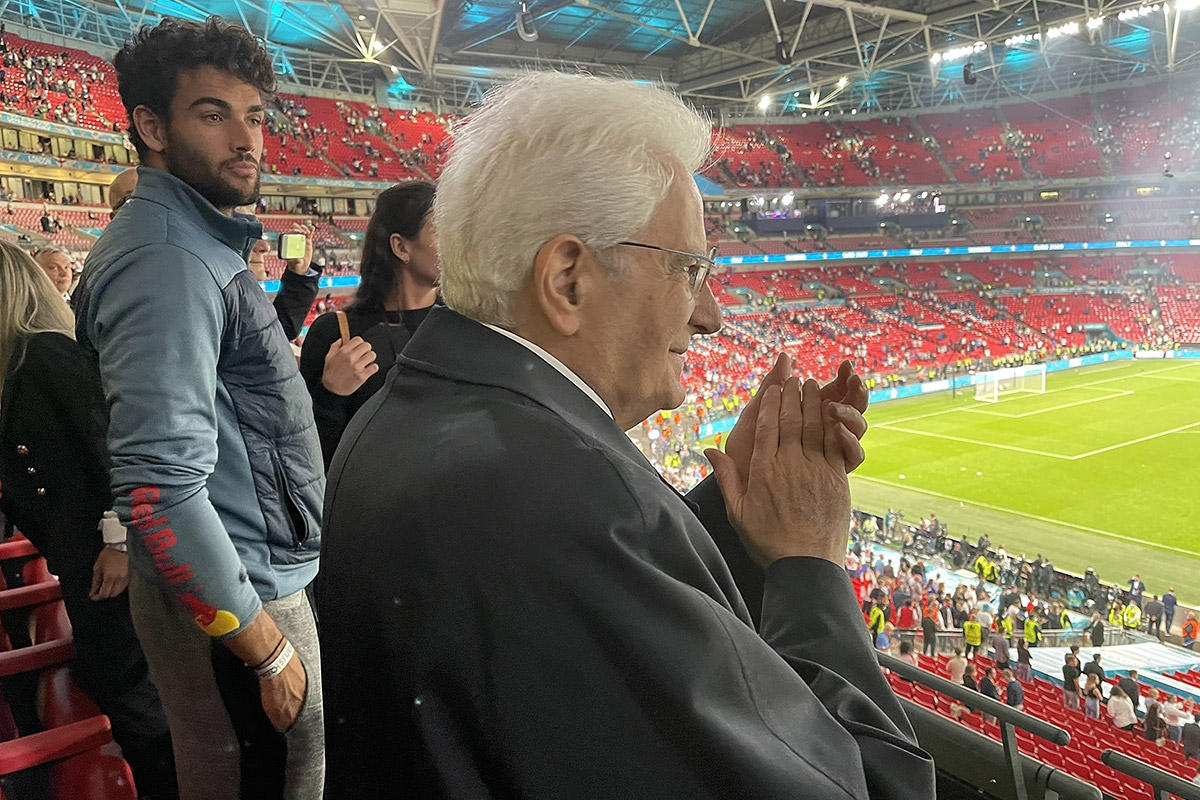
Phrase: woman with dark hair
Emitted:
{"points": [[347, 354]]}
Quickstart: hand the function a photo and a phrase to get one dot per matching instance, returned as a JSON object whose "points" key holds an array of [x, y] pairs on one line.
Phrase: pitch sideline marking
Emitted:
{"points": [[979, 442], [1180, 429], [1028, 515], [1112, 393]]}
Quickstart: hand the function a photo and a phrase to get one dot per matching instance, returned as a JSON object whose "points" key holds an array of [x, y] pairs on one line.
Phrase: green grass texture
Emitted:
{"points": [[1101, 471]]}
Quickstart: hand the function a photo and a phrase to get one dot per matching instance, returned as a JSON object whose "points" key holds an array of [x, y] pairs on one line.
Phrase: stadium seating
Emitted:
{"points": [[75, 742], [1089, 737]]}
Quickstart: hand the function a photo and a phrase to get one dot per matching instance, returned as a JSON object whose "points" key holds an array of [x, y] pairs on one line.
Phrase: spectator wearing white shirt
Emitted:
{"points": [[1175, 713], [1120, 709]]}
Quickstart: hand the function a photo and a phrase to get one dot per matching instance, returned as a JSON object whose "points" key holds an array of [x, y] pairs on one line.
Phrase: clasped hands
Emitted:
{"points": [[783, 472]]}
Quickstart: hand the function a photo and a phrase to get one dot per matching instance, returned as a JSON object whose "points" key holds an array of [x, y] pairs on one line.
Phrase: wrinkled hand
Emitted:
{"points": [[283, 696], [348, 367], [796, 499], [847, 394], [300, 265], [110, 574]]}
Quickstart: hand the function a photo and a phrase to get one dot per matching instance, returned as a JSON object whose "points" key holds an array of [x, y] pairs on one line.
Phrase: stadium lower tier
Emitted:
{"points": [[1090, 736]]}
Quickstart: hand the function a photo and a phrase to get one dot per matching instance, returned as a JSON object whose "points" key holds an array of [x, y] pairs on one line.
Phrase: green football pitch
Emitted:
{"points": [[1101, 471]]}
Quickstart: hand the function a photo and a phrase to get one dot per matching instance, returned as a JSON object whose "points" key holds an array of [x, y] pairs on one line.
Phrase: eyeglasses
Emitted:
{"points": [[697, 271]]}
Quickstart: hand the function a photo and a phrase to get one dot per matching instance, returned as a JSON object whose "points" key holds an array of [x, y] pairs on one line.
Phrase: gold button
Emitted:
{"points": [[31, 470], [22, 450], [40, 491]]}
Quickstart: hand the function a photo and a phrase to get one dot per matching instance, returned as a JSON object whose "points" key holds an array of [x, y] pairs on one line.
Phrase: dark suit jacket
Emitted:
{"points": [[53, 461], [514, 604]]}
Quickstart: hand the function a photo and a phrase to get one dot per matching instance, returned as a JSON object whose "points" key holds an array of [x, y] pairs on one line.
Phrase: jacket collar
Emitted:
{"points": [[458, 348], [238, 233]]}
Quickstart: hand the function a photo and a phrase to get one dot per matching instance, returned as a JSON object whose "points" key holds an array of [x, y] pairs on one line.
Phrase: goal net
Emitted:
{"points": [[991, 386]]}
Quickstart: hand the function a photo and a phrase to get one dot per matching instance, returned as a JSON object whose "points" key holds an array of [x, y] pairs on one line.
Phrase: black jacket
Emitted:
{"points": [[515, 604], [53, 460], [295, 297], [386, 332]]}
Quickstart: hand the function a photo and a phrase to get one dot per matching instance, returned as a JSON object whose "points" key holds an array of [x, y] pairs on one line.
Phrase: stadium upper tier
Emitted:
{"points": [[1117, 132]]}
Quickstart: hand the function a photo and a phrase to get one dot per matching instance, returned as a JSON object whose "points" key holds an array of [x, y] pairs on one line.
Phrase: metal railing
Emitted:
{"points": [[1161, 782], [1019, 766], [1008, 717]]}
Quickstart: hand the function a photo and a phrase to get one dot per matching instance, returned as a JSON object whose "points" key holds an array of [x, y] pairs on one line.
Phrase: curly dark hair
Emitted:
{"points": [[149, 64], [399, 209]]}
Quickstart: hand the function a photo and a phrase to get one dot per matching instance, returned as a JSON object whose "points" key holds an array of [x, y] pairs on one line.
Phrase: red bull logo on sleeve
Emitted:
{"points": [[159, 540]]}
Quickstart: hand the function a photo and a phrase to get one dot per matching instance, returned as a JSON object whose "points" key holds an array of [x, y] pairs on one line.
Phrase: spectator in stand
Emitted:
{"points": [[1024, 665], [399, 286], [1191, 739], [54, 467], [562, 314], [1071, 675], [57, 263], [907, 614], [1129, 685], [1120, 709], [217, 466], [1153, 612], [1000, 650], [1155, 728], [957, 666], [1175, 713], [968, 678], [883, 642], [1014, 692], [1093, 667], [1093, 696], [929, 627], [987, 687], [121, 188], [1169, 602], [906, 653]]}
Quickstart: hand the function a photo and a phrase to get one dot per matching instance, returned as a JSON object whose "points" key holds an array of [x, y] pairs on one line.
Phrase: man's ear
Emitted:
{"points": [[152, 128], [560, 275]]}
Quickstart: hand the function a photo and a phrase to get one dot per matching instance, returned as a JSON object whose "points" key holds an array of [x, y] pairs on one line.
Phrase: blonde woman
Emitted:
{"points": [[54, 469]]}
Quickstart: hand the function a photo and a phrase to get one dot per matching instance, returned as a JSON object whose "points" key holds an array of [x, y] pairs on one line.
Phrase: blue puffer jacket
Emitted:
{"points": [[216, 465]]}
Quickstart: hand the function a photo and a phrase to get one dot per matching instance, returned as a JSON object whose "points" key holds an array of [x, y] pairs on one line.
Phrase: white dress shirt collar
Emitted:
{"points": [[558, 365]]}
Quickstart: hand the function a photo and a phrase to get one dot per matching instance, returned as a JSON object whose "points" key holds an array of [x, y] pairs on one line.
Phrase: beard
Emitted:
{"points": [[193, 169]]}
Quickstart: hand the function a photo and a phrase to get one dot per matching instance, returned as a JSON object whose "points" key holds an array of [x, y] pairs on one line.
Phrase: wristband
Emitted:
{"points": [[270, 656], [111, 529], [279, 664]]}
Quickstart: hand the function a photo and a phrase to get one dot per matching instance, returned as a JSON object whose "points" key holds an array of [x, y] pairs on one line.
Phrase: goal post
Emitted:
{"points": [[991, 386]]}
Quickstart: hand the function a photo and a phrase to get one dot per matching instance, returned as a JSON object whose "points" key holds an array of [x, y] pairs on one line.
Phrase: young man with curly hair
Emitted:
{"points": [[216, 465]]}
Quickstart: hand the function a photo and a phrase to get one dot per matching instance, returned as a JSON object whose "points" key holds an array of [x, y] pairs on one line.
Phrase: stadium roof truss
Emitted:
{"points": [[725, 55]]}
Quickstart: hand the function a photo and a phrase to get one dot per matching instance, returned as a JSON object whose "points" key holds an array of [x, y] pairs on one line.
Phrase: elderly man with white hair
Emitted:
{"points": [[513, 602]]}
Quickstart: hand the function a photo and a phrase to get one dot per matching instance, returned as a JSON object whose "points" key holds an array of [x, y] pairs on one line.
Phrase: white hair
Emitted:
{"points": [[549, 154]]}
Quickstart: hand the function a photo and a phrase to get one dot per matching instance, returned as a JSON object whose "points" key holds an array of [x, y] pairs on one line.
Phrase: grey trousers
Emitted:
{"points": [[224, 745]]}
